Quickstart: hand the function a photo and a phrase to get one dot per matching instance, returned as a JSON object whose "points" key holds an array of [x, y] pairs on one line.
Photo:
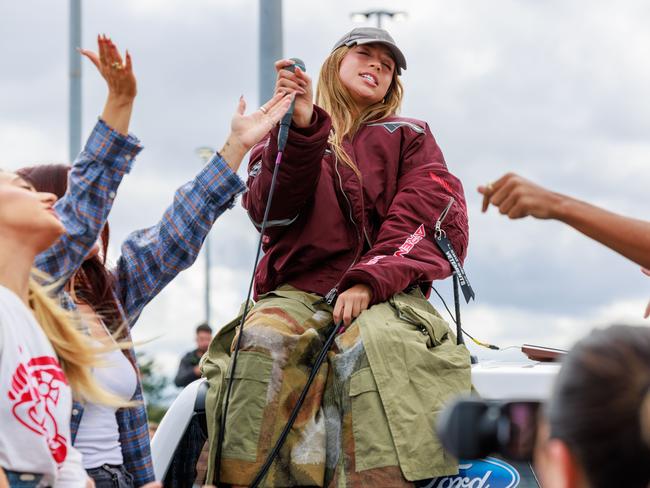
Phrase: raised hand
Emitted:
{"points": [[300, 84], [248, 130], [117, 72], [122, 86]]}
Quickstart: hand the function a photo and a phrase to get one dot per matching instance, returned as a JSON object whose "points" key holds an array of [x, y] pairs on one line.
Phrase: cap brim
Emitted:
{"points": [[400, 60]]}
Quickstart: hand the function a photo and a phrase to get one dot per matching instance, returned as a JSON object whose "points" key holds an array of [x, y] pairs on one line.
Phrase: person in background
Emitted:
{"points": [[115, 442], [188, 369], [596, 429], [517, 197]]}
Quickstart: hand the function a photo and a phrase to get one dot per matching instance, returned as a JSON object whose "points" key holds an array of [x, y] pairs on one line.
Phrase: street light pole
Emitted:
{"points": [[74, 114], [206, 153], [379, 15], [270, 46]]}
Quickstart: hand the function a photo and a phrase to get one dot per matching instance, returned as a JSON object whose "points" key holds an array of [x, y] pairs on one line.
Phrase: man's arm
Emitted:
{"points": [[517, 197]]}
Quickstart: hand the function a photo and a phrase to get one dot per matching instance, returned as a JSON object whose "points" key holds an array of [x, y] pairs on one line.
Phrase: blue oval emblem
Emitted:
{"points": [[480, 473]]}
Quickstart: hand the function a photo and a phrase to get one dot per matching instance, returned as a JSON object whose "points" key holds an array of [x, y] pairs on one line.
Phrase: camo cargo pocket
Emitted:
{"points": [[246, 407], [373, 444]]}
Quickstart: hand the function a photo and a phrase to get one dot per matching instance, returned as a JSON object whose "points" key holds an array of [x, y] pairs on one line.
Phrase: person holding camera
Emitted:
{"points": [[596, 431], [593, 432]]}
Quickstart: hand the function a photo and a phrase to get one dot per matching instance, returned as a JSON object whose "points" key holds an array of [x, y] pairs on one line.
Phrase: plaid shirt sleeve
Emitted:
{"points": [[150, 258], [93, 181]]}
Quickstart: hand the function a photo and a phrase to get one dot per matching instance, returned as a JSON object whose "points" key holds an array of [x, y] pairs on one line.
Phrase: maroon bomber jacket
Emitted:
{"points": [[329, 228]]}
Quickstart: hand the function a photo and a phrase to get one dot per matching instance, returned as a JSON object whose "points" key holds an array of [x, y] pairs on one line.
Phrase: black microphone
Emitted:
{"points": [[286, 120]]}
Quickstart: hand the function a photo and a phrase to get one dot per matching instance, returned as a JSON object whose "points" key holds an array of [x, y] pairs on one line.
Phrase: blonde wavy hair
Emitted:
{"points": [[76, 354], [333, 97]]}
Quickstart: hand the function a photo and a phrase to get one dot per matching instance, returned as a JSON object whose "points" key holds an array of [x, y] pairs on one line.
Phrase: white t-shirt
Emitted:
{"points": [[98, 436], [35, 401]]}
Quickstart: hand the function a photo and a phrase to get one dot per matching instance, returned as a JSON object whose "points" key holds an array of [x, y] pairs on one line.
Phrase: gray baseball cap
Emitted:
{"points": [[367, 35]]}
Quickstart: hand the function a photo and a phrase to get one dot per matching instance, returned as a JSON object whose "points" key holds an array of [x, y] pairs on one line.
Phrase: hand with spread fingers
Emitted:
{"points": [[517, 197], [248, 130], [300, 84], [122, 86], [351, 303]]}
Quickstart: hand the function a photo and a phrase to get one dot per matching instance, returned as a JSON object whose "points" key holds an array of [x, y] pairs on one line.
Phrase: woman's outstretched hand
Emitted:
{"points": [[517, 197], [248, 130], [122, 86]]}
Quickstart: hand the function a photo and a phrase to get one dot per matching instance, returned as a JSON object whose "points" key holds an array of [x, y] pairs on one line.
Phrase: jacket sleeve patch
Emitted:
{"points": [[441, 182]]}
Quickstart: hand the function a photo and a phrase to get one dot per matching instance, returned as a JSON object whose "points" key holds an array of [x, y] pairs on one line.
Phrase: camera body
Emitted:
{"points": [[472, 428]]}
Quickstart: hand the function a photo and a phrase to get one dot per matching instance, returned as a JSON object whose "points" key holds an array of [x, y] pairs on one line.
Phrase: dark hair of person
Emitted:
{"points": [[204, 327], [599, 406], [92, 282]]}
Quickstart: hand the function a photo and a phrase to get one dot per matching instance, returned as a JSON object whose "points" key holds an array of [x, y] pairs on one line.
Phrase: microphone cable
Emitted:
{"points": [[235, 353], [296, 409], [282, 140], [462, 330]]}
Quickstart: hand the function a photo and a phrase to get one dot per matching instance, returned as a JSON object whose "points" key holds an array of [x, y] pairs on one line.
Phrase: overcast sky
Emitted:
{"points": [[556, 91]]}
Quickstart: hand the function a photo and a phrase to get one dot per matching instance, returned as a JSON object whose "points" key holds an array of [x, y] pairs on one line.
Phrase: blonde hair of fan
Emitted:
{"points": [[73, 349]]}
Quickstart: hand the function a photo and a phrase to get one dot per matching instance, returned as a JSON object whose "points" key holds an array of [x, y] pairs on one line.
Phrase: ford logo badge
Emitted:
{"points": [[480, 473]]}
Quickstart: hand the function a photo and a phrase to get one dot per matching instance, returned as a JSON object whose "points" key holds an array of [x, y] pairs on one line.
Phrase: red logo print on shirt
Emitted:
{"points": [[35, 392]]}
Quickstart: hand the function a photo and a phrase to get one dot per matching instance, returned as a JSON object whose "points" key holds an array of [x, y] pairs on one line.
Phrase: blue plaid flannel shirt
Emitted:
{"points": [[150, 258], [83, 210]]}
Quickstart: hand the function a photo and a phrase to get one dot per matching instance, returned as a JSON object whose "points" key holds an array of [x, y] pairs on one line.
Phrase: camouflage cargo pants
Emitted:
{"points": [[341, 437]]}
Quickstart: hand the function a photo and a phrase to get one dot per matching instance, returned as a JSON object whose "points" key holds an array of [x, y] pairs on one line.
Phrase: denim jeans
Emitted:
{"points": [[23, 480], [109, 476]]}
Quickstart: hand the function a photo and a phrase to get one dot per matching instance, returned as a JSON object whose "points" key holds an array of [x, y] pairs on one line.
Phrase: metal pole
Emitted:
{"points": [[270, 46], [74, 144], [205, 153], [207, 279]]}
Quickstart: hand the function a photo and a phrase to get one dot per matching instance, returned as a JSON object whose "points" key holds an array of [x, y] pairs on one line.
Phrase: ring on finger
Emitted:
{"points": [[264, 110], [116, 65], [489, 187]]}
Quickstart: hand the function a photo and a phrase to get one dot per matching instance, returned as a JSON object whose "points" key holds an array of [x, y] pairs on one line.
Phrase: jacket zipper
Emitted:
{"points": [[438, 232], [354, 222], [331, 296]]}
